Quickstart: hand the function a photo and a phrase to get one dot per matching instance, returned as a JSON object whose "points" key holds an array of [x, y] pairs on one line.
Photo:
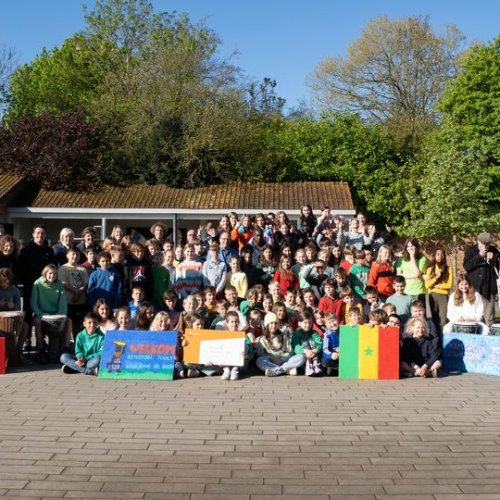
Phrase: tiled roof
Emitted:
{"points": [[8, 182], [237, 196]]}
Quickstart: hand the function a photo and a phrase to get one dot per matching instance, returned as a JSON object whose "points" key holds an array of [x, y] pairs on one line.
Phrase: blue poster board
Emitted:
{"points": [[465, 352], [137, 354]]}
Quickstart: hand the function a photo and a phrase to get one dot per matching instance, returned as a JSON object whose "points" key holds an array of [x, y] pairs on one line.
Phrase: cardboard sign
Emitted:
{"points": [[137, 354], [216, 347], [466, 352]]}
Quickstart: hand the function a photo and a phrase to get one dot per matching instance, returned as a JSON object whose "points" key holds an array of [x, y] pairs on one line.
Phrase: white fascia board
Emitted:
{"points": [[140, 213]]}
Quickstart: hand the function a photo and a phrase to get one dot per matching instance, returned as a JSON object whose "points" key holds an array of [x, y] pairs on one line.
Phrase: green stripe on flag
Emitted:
{"points": [[349, 347]]}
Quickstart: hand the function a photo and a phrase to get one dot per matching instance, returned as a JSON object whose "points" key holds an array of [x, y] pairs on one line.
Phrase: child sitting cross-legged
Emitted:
{"points": [[307, 342], [88, 349], [275, 356]]}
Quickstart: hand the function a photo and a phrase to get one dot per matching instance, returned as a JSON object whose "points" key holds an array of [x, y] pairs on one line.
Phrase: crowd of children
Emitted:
{"points": [[288, 286]]}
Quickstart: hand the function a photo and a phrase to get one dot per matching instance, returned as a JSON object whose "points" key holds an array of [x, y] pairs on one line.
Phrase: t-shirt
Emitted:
{"points": [[414, 286]]}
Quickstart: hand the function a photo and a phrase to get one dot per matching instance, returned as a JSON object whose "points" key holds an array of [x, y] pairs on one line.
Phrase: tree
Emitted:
{"points": [[471, 103], [7, 64], [394, 73], [451, 197], [62, 152], [56, 81]]}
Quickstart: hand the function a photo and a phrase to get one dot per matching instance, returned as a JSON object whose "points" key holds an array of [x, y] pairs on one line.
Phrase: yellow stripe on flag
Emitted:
{"points": [[368, 352]]}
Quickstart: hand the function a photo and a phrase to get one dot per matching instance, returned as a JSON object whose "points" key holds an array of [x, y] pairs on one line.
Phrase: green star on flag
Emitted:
{"points": [[368, 351]]}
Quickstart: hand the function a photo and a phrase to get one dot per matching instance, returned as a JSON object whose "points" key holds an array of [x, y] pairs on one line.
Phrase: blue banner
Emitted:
{"points": [[465, 352]]}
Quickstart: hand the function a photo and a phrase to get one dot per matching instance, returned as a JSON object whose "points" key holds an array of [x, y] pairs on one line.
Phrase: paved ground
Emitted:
{"points": [[74, 436]]}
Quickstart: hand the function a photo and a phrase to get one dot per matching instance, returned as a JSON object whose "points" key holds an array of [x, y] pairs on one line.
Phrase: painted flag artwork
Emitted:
{"points": [[369, 352]]}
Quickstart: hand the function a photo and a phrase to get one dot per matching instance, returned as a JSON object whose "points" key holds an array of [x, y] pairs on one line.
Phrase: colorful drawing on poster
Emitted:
{"points": [[140, 355], [217, 347], [466, 352], [369, 352]]}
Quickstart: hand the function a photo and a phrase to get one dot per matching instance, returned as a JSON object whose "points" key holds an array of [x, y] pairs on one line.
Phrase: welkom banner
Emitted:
{"points": [[137, 354], [369, 352]]}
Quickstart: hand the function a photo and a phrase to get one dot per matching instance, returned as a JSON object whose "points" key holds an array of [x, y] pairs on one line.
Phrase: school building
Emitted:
{"points": [[23, 203]]}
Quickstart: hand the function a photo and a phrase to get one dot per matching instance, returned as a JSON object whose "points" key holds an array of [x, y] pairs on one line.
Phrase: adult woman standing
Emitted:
{"points": [[438, 283]]}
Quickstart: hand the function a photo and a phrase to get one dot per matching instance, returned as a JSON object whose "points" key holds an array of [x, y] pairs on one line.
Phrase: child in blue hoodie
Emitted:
{"points": [[330, 358], [105, 283]]}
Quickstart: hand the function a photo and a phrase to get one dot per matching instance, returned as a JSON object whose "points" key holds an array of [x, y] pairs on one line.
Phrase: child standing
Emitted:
{"points": [[237, 278], [285, 276], [331, 302], [358, 275], [382, 273], [307, 342], [401, 301], [137, 296], [160, 277], [88, 349], [105, 283], [330, 357]]}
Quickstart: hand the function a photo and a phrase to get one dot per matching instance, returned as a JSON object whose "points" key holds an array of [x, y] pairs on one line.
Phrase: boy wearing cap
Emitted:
{"points": [[274, 350]]}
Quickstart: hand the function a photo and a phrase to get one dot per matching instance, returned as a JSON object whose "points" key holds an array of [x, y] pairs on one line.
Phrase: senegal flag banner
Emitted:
{"points": [[369, 352]]}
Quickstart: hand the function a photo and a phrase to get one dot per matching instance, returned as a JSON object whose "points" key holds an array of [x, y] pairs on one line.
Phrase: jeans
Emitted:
{"points": [[70, 361], [295, 361]]}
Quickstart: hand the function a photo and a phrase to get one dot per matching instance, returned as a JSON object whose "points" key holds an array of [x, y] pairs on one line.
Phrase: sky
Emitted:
{"points": [[280, 39]]}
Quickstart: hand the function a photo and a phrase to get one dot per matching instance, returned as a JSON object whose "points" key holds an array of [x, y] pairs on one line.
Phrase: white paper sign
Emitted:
{"points": [[227, 352]]}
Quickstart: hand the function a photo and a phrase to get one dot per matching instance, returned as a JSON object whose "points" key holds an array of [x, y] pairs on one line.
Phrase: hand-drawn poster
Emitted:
{"points": [[140, 355]]}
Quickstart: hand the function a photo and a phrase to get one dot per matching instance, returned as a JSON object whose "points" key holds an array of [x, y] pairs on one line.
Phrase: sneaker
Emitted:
{"points": [[192, 373], [435, 373], [24, 360], [226, 374], [235, 373], [274, 372], [182, 373], [292, 372], [329, 371], [317, 369], [67, 370], [309, 369]]}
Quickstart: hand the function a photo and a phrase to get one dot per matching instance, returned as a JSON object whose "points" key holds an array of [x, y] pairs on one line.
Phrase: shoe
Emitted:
{"points": [[274, 372], [67, 370], [182, 374], [24, 360], [435, 373], [292, 372], [329, 371], [317, 369], [192, 373], [235, 373], [309, 369], [93, 371], [226, 374]]}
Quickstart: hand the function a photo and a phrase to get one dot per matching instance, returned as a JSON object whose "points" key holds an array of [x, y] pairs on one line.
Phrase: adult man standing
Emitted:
{"points": [[32, 259], [480, 263]]}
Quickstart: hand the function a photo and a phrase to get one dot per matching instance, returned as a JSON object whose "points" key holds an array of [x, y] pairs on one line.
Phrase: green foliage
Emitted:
{"points": [[471, 104], [393, 73], [65, 78], [453, 192]]}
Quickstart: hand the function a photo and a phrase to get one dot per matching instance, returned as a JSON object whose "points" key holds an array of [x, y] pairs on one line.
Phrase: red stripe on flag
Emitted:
{"points": [[388, 353]]}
